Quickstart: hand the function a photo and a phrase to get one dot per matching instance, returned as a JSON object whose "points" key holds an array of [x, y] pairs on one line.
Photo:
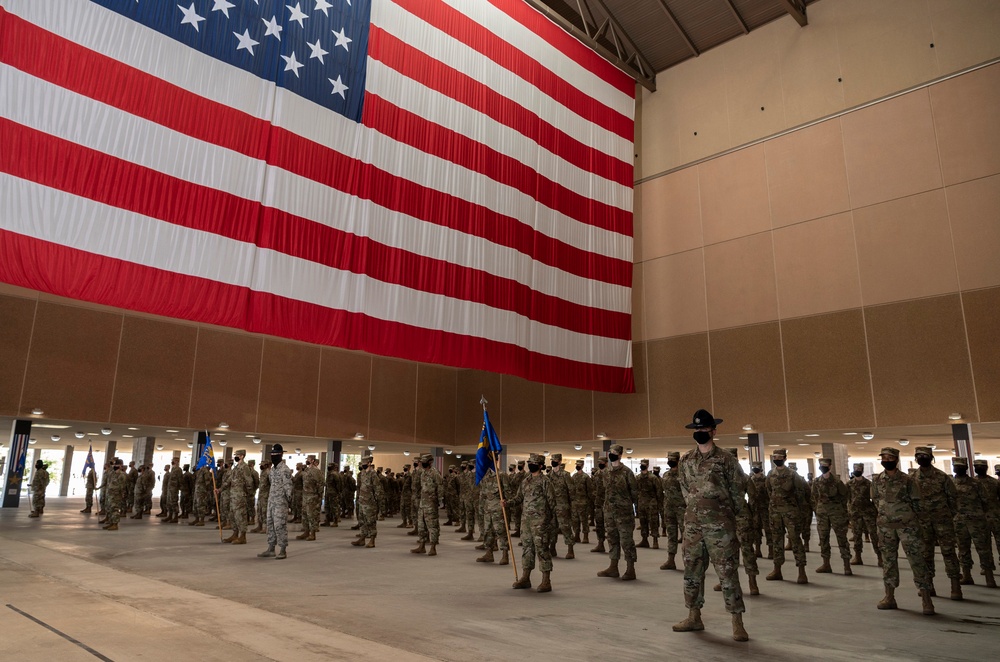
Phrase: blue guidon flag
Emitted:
{"points": [[89, 464], [207, 458], [489, 447]]}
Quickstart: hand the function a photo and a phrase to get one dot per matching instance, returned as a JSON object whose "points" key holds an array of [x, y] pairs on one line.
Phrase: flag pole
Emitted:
{"points": [[218, 513], [503, 507]]}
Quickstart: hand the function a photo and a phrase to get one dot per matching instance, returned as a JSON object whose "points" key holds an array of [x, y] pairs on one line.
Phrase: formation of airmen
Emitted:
{"points": [[704, 505]]}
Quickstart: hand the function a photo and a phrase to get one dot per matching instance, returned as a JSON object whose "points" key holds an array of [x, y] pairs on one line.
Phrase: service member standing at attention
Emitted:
{"points": [[937, 518], [582, 487], [599, 495], [370, 495], [785, 492], [862, 513], [829, 497], [239, 482], [710, 479], [970, 523], [620, 498], [429, 510], [313, 483], [39, 483], [494, 531], [564, 506], [673, 509], [897, 500], [991, 488], [649, 523], [91, 486], [538, 504], [279, 498]]}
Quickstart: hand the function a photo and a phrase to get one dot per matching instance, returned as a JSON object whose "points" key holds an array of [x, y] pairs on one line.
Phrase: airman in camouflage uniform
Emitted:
{"points": [[202, 495], [297, 494], [265, 494], [415, 496], [862, 512], [937, 518], [714, 490], [829, 499], [140, 492], [350, 487], [331, 501], [648, 511], [132, 476], [744, 526], [970, 523], [117, 484], [406, 499], [495, 531], [370, 495], [600, 492], [240, 480], [538, 503], [620, 498], [805, 524], [515, 509], [39, 483], [564, 506], [222, 483], [451, 497], [174, 479], [582, 496], [991, 487], [897, 500], [429, 508], [760, 513], [279, 499], [164, 490], [186, 491], [786, 491], [252, 492], [313, 484], [673, 508], [91, 485]]}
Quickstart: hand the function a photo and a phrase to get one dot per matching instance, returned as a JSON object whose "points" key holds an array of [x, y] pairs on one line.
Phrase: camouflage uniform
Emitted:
{"points": [[620, 497], [140, 492], [297, 494], [370, 495], [117, 485], [564, 506], [760, 514], [537, 501], [786, 491], [429, 512], [173, 492], [222, 484], [132, 477], [91, 486], [829, 498], [150, 479], [350, 485], [647, 485], [240, 480], [39, 483], [186, 491], [862, 513], [265, 495], [515, 509], [331, 502], [451, 497], [278, 500], [970, 522], [937, 514], [406, 499], [582, 493], [202, 495], [744, 524], [991, 487], [313, 484], [897, 500], [468, 508], [600, 492], [164, 491], [495, 531], [673, 509], [252, 494], [806, 514]]}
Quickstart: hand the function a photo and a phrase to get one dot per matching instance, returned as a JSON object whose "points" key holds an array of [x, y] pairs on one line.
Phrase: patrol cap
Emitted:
{"points": [[781, 452], [520, 463], [703, 419], [644, 462], [674, 456], [656, 468], [510, 467], [241, 452], [617, 449], [555, 457], [426, 457], [310, 458], [535, 458], [923, 450], [825, 462], [331, 465], [793, 466], [888, 450], [960, 462], [858, 466], [980, 463], [603, 459], [757, 464], [579, 463]]}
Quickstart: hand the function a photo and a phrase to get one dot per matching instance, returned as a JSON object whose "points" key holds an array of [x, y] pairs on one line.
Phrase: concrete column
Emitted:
{"points": [[110, 449], [810, 468], [142, 450], [227, 453], [961, 433], [755, 442], [841, 463], [67, 468], [334, 449]]}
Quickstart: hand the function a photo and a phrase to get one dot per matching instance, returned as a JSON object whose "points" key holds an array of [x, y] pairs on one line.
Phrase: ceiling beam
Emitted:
{"points": [[797, 9], [677, 26], [736, 15]]}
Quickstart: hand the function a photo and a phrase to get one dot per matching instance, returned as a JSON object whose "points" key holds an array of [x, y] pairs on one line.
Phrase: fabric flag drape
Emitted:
{"points": [[89, 463], [446, 181], [489, 443], [207, 457]]}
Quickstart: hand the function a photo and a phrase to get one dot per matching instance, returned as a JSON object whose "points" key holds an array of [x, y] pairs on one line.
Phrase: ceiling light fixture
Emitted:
{"points": [[222, 443], [159, 447], [868, 435], [172, 431], [224, 425], [578, 447], [629, 451], [850, 434], [545, 453], [79, 435], [133, 429], [371, 447], [744, 438], [459, 456], [190, 445], [448, 451], [105, 431], [256, 440], [954, 417], [905, 442], [803, 444], [56, 437], [407, 453], [747, 427], [812, 434], [601, 435], [37, 412], [32, 441], [358, 435]]}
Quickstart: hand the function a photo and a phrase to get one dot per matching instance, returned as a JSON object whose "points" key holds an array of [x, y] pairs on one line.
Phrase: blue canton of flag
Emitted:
{"points": [[207, 455], [489, 442], [89, 464], [317, 49]]}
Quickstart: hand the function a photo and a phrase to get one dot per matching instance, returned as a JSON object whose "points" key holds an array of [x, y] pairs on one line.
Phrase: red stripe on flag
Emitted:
{"points": [[435, 75], [461, 28]]}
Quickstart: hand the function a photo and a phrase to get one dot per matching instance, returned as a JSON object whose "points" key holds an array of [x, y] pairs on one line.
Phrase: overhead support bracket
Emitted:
{"points": [[797, 9]]}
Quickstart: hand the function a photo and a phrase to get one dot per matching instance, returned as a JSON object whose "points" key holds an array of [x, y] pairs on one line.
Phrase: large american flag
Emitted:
{"points": [[447, 181]]}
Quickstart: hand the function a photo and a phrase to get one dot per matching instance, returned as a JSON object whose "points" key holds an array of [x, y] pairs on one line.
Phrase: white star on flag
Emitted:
{"points": [[338, 87], [323, 5], [224, 6], [246, 41], [273, 29], [342, 39], [317, 51], [191, 16], [291, 64], [297, 14]]}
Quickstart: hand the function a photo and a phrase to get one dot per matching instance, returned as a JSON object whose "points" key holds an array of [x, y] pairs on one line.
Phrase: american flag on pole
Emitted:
{"points": [[447, 181]]}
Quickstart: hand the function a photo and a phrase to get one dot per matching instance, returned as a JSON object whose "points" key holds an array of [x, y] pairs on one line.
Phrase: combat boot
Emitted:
{"points": [[644, 543], [739, 632], [86, 510], [524, 581], [775, 575], [692, 623], [546, 585], [480, 548], [656, 543], [486, 558], [586, 538], [752, 583], [847, 568], [311, 536], [419, 549], [857, 559], [431, 551], [401, 525], [504, 559], [802, 576], [889, 601], [991, 582], [670, 564], [825, 567], [281, 553], [371, 542], [927, 606], [967, 577], [629, 571], [569, 552], [112, 527], [756, 551], [242, 540], [576, 537], [956, 589], [231, 538], [200, 521], [467, 536], [610, 571], [461, 529], [600, 548], [358, 542]]}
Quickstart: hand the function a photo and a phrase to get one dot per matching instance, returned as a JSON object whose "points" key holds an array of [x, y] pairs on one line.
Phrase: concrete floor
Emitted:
{"points": [[162, 592]]}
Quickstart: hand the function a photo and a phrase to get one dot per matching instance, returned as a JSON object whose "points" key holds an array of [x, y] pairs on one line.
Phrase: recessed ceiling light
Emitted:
{"points": [[358, 435], [172, 431], [747, 427], [224, 425], [864, 442], [133, 429], [91, 434], [601, 435], [812, 434], [179, 439], [127, 436], [79, 435], [850, 434], [773, 445], [744, 438], [49, 426], [37, 412], [803, 444]]}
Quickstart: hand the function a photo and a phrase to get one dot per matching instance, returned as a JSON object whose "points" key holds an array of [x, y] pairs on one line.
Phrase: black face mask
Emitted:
{"points": [[859, 474], [824, 470], [275, 459], [778, 463], [671, 463], [643, 467], [425, 465], [554, 464], [702, 436], [613, 458], [923, 460], [756, 470], [980, 471], [889, 466], [961, 471], [534, 468]]}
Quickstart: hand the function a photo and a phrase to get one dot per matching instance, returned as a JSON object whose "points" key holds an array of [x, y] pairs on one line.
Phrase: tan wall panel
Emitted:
{"points": [[155, 367], [905, 249], [748, 382], [806, 174], [680, 382], [810, 65], [436, 390], [674, 291], [226, 379], [982, 319], [289, 388], [659, 149], [523, 411], [884, 47], [625, 415], [671, 214], [891, 150], [753, 82], [473, 385], [71, 364], [965, 33], [965, 118], [569, 414], [701, 112], [344, 390], [974, 208], [739, 277], [17, 317], [920, 362], [826, 369], [817, 267], [638, 310], [734, 195], [394, 400]]}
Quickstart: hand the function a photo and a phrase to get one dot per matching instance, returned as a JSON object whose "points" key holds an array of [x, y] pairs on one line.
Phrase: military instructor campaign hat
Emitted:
{"points": [[923, 450], [894, 452], [703, 419]]}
